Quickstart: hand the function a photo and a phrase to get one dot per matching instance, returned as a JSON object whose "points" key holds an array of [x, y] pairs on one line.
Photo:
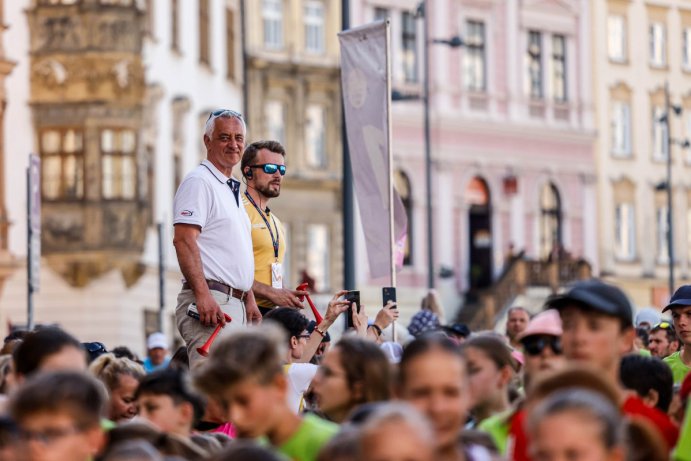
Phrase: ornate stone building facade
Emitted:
{"points": [[113, 95], [87, 93], [6, 66], [294, 97]]}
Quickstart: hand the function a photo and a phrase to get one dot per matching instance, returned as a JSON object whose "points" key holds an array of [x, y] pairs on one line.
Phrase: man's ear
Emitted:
{"points": [[207, 141], [506, 375], [626, 337], [674, 346], [294, 341], [651, 398], [186, 412]]}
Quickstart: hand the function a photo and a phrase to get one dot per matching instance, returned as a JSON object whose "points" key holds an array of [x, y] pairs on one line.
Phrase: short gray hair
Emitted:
{"points": [[227, 113]]}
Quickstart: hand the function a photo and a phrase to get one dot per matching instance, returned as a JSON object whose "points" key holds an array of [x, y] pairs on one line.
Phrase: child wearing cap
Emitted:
{"points": [[597, 323], [680, 305]]}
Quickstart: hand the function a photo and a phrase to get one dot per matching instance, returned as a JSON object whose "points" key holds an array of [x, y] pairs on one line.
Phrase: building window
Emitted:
{"points": [[380, 14], [62, 160], [559, 68], [204, 52], [658, 45], [662, 228], [402, 185], [409, 43], [534, 59], [686, 48], [272, 15], [475, 65], [275, 120], [315, 135], [318, 255], [118, 164], [659, 134], [621, 129], [174, 25], [616, 38], [550, 220], [625, 232], [230, 44], [314, 26]]}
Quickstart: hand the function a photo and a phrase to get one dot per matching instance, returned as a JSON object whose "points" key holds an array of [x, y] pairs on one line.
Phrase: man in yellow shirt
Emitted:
{"points": [[263, 167]]}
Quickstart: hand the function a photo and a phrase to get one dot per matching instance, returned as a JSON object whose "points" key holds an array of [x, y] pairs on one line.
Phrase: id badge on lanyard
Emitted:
{"points": [[277, 275]]}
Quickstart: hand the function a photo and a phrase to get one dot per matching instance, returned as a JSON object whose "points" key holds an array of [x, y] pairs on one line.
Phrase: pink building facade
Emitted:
{"points": [[512, 135]]}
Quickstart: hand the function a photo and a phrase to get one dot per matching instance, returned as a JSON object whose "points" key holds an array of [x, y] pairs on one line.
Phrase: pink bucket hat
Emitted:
{"points": [[545, 323]]}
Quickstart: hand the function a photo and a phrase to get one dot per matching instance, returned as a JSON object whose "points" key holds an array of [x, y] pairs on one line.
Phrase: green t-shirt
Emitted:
{"points": [[497, 426], [679, 368], [683, 450], [309, 439]]}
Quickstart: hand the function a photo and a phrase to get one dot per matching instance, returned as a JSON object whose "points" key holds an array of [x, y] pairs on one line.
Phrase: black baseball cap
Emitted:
{"points": [[597, 296], [459, 329], [680, 298]]}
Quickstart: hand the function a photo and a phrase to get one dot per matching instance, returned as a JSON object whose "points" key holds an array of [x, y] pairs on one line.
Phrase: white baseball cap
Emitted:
{"points": [[157, 340]]}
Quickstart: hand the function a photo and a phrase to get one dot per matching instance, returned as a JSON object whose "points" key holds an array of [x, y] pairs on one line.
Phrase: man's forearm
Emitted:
{"points": [[190, 263], [262, 291]]}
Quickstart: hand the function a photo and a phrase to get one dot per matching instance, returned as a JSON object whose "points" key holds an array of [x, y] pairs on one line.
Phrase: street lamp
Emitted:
{"points": [[454, 42], [667, 185]]}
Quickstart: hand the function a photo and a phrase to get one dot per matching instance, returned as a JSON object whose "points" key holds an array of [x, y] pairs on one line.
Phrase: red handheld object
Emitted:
{"points": [[317, 316], [204, 350]]}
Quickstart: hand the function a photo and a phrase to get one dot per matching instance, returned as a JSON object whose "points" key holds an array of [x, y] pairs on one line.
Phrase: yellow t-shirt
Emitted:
{"points": [[263, 246]]}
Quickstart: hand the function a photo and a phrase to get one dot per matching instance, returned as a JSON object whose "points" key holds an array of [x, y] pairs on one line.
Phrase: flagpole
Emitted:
{"points": [[389, 156]]}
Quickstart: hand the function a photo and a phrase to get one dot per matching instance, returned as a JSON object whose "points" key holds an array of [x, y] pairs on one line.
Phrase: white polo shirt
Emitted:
{"points": [[205, 199]]}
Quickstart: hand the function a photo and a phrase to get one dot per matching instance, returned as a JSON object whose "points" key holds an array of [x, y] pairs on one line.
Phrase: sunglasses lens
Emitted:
{"points": [[270, 168], [534, 347], [537, 345], [282, 170]]}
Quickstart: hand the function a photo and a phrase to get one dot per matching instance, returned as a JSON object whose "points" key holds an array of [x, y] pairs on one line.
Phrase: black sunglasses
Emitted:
{"points": [[219, 112], [95, 347], [535, 345], [663, 326], [271, 168]]}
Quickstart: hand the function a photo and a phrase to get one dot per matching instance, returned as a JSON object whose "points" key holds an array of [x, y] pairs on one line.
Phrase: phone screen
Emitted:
{"points": [[353, 296], [388, 294]]}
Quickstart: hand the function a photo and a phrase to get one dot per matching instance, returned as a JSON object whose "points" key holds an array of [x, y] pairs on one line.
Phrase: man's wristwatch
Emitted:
{"points": [[377, 329]]}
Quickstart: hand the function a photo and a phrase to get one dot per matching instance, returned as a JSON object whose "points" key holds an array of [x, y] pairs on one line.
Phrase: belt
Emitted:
{"points": [[222, 287]]}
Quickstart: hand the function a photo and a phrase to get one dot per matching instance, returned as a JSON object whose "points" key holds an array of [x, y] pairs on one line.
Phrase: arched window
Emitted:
{"points": [[402, 185], [550, 220]]}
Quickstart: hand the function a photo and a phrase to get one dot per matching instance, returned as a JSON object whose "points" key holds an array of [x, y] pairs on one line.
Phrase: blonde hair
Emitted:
{"points": [[432, 303], [109, 368]]}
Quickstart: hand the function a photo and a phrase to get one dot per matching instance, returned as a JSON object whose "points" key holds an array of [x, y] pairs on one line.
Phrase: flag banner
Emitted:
{"points": [[364, 79]]}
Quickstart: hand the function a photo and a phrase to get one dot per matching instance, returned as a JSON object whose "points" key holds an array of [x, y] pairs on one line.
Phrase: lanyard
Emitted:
{"points": [[275, 241]]}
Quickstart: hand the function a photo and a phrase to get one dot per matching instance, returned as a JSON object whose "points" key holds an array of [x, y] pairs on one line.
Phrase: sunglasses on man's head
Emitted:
{"points": [[219, 112], [535, 345], [663, 326], [271, 168]]}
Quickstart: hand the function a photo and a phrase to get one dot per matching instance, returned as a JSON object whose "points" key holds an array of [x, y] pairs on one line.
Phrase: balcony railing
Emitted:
{"points": [[519, 274]]}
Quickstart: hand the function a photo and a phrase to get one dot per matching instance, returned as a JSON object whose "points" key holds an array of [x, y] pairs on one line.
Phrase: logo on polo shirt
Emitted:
{"points": [[186, 213]]}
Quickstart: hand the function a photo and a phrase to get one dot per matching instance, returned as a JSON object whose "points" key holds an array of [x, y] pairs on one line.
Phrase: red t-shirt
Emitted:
{"points": [[633, 408]]}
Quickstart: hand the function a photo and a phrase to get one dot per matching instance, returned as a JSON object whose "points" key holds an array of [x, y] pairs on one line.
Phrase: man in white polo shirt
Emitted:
{"points": [[213, 239]]}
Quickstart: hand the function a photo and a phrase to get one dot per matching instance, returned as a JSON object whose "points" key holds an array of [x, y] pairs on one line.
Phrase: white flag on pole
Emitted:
{"points": [[366, 99]]}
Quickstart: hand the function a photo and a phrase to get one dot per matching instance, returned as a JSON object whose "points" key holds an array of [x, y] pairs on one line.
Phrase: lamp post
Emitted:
{"points": [[454, 42], [668, 184]]}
